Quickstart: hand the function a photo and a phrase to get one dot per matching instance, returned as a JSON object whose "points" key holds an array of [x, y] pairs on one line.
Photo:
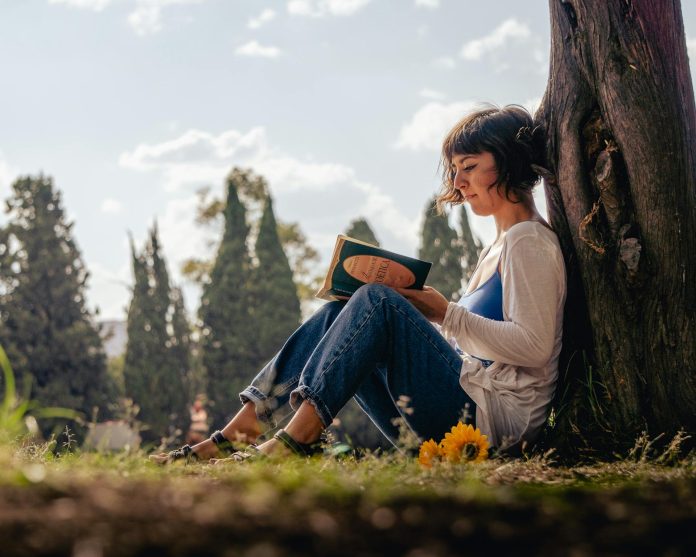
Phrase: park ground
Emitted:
{"points": [[92, 505]]}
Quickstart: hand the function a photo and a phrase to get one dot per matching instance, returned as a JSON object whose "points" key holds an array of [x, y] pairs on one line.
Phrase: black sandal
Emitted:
{"points": [[183, 453], [300, 449], [222, 443]]}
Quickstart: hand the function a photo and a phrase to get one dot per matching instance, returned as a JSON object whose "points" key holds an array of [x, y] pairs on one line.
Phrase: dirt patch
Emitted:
{"points": [[203, 517]]}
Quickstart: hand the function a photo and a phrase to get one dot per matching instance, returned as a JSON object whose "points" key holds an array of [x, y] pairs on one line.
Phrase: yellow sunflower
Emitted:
{"points": [[429, 453], [464, 444]]}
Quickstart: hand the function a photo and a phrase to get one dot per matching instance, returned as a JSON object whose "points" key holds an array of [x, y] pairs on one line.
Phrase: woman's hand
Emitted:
{"points": [[428, 301]]}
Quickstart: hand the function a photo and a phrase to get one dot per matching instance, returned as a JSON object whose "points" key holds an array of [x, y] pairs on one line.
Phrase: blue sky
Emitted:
{"points": [[133, 105]]}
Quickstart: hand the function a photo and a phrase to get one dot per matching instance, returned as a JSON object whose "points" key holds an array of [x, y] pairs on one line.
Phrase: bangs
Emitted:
{"points": [[468, 136]]}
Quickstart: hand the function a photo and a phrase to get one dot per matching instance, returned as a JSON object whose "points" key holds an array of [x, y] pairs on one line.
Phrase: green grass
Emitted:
{"points": [[55, 500], [372, 506]]}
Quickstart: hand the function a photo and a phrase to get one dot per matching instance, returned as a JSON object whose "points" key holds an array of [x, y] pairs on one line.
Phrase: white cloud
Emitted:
{"points": [[112, 206], [146, 18], [96, 5], [323, 8], [255, 50], [264, 17], [429, 124], [431, 4], [510, 29], [445, 63], [431, 94], [197, 158]]}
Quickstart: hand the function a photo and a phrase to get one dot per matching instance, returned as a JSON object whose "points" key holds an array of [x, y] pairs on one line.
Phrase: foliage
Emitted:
{"points": [[440, 244], [227, 339], [17, 415], [360, 230], [114, 369], [303, 259], [157, 356], [275, 308], [45, 325], [252, 192]]}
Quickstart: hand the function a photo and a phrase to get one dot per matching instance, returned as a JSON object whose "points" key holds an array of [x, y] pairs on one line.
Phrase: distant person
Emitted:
{"points": [[381, 344], [199, 428]]}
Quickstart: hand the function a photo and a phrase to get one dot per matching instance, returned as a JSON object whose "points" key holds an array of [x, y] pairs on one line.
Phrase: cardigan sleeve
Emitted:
{"points": [[533, 278]]}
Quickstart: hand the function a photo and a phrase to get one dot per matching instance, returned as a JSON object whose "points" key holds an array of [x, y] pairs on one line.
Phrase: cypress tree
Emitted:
{"points": [[138, 347], [440, 244], [227, 338], [360, 230], [182, 345], [155, 365], [45, 326], [276, 307], [471, 246]]}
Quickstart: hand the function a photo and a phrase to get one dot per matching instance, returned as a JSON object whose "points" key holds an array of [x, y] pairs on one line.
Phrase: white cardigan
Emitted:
{"points": [[513, 394]]}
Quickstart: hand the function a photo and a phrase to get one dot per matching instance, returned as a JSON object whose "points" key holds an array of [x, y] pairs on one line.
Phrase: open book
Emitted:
{"points": [[355, 263]]}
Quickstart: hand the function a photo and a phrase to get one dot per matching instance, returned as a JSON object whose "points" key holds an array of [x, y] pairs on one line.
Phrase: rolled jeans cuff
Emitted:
{"points": [[302, 393], [264, 405]]}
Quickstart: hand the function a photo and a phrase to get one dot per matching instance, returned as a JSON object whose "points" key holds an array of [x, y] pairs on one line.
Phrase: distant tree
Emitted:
{"points": [[471, 246], [440, 244], [45, 326], [302, 257], [227, 337], [276, 307], [156, 362], [360, 230], [182, 344]]}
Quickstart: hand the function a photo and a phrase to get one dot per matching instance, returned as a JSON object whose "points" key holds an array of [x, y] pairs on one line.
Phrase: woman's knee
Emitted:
{"points": [[375, 292]]}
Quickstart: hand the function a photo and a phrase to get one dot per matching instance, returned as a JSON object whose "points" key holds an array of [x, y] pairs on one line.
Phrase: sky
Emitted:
{"points": [[132, 106]]}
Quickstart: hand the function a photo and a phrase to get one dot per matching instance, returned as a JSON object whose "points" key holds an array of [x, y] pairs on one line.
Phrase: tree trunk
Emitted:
{"points": [[620, 121]]}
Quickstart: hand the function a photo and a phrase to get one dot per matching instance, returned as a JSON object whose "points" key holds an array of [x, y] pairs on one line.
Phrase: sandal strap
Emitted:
{"points": [[184, 452], [252, 452], [222, 443], [300, 449]]}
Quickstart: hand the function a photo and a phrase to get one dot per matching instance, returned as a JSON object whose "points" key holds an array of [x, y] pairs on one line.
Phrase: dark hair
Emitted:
{"points": [[507, 133]]}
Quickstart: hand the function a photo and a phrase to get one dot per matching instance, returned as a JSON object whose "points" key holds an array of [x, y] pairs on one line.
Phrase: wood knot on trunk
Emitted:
{"points": [[629, 252], [586, 233], [607, 183]]}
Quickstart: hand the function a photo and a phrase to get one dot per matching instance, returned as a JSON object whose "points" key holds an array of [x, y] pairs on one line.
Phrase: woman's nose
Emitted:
{"points": [[459, 181]]}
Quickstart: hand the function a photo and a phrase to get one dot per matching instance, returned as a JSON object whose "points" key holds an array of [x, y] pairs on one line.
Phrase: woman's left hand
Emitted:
{"points": [[428, 301]]}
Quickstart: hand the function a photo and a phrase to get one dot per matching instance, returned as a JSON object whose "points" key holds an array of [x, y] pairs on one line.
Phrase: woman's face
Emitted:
{"points": [[473, 177]]}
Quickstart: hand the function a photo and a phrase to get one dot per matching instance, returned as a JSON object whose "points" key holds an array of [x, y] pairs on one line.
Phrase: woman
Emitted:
{"points": [[505, 333]]}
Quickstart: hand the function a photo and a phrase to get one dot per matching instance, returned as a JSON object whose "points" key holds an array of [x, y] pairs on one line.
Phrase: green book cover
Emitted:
{"points": [[355, 263]]}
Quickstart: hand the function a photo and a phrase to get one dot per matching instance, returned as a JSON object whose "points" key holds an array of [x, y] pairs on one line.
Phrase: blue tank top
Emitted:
{"points": [[486, 301]]}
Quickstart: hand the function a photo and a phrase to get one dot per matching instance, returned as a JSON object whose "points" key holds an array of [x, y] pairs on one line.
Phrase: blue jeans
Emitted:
{"points": [[376, 347]]}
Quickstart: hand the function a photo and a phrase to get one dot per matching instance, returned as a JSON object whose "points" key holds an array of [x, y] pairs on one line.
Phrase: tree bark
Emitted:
{"points": [[620, 122]]}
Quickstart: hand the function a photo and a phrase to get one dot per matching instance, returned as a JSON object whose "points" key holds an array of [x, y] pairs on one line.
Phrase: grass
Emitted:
{"points": [[376, 505], [85, 504]]}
